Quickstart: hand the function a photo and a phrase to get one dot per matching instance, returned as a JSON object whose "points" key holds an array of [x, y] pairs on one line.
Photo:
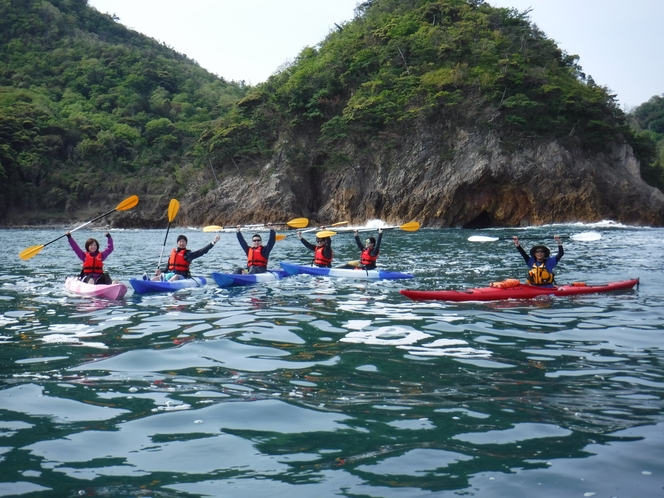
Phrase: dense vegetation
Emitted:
{"points": [[648, 119], [88, 106], [403, 62]]}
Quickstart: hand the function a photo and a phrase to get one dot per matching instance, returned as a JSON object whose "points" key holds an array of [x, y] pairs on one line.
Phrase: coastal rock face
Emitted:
{"points": [[477, 182]]}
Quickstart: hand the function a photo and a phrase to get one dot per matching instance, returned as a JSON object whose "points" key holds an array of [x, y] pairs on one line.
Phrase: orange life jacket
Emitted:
{"points": [[93, 264], [539, 275], [321, 260], [177, 263], [255, 257], [366, 259]]}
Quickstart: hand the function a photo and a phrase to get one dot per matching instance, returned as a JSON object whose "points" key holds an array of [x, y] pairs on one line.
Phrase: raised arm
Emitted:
{"points": [[560, 247], [520, 249], [270, 242], [357, 241], [243, 243], [192, 255], [305, 242], [376, 248], [79, 252], [109, 247]]}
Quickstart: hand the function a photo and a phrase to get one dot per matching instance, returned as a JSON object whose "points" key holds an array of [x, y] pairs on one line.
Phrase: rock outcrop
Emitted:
{"points": [[477, 183]]}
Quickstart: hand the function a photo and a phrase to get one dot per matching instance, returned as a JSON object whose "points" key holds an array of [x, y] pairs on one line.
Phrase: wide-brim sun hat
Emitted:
{"points": [[547, 251]]}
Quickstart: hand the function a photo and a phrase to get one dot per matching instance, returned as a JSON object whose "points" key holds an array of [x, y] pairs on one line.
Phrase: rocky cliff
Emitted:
{"points": [[475, 182]]}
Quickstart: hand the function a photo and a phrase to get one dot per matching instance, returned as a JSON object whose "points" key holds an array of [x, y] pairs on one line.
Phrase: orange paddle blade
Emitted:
{"points": [[30, 252], [173, 208], [411, 226], [128, 203], [298, 223]]}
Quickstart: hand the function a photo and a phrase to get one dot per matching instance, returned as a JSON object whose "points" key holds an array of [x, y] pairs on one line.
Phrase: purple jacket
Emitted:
{"points": [[81, 253]]}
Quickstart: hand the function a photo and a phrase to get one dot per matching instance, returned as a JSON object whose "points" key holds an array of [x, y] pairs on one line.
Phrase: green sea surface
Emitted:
{"points": [[323, 387]]}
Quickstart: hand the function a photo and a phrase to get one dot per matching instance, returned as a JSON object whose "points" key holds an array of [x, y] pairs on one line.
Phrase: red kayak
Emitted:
{"points": [[517, 291]]}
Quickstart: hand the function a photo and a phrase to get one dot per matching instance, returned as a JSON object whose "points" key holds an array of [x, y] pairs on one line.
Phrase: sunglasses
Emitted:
{"points": [[256, 240], [320, 240], [540, 252]]}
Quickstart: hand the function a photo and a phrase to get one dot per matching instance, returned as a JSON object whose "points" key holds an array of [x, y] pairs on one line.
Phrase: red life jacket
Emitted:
{"points": [[321, 260], [177, 263], [93, 264], [366, 259], [255, 257]]}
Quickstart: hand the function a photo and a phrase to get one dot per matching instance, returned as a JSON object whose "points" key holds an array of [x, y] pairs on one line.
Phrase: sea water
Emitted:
{"points": [[321, 387]]}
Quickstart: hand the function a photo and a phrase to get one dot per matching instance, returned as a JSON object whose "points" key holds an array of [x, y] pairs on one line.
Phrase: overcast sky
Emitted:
{"points": [[619, 42]]}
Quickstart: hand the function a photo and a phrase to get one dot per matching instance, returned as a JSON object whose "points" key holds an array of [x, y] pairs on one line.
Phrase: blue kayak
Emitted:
{"points": [[144, 286], [233, 279], [293, 269]]}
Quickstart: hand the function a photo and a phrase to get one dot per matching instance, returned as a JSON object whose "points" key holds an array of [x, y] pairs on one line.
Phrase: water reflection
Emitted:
{"points": [[330, 387]]}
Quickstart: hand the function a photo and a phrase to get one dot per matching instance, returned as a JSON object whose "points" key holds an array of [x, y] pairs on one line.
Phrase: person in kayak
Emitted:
{"points": [[93, 266], [369, 252], [323, 253], [180, 260], [257, 254], [540, 263]]}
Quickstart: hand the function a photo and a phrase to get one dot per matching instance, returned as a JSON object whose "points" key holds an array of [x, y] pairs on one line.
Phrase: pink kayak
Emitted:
{"points": [[518, 291], [112, 291]]}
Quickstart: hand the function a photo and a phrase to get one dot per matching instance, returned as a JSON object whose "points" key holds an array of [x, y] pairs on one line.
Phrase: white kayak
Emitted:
{"points": [[293, 269], [110, 291]]}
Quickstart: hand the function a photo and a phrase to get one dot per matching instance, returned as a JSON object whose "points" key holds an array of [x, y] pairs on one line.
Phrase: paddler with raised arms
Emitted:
{"points": [[323, 253], [540, 263], [258, 254]]}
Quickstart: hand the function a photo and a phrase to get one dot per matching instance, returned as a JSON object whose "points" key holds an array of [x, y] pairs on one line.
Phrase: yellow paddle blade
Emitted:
{"points": [[338, 223], [325, 233], [411, 226], [212, 228], [128, 203], [354, 263], [30, 252], [173, 209], [280, 236], [298, 223]]}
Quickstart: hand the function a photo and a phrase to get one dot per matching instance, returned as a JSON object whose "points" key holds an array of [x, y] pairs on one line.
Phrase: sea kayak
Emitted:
{"points": [[520, 291], [233, 279], [110, 291], [293, 269], [144, 286]]}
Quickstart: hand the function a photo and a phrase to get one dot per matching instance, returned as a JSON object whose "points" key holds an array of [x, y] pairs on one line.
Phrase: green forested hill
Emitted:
{"points": [[88, 106], [648, 119], [407, 62]]}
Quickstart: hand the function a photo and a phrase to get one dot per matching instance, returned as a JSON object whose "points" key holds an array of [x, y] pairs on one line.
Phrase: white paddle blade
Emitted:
{"points": [[482, 238], [586, 236]]}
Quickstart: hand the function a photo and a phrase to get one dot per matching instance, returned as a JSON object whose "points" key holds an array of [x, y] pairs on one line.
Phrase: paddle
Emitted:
{"points": [[579, 237], [294, 223], [411, 226], [172, 211], [338, 223], [32, 251]]}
